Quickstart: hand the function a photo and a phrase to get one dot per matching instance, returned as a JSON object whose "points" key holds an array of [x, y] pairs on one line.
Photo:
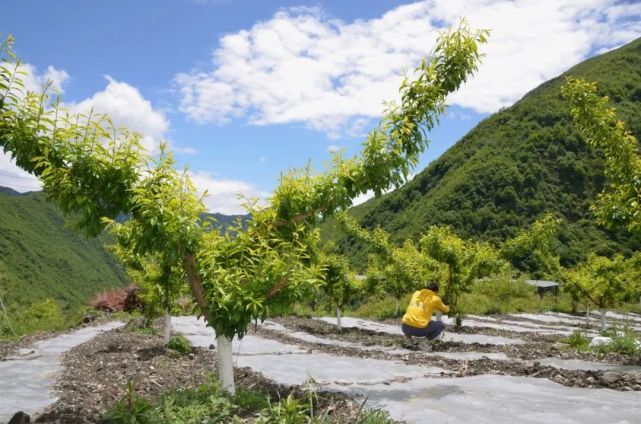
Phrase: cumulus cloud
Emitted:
{"points": [[34, 80], [121, 101], [224, 195], [301, 66], [128, 108]]}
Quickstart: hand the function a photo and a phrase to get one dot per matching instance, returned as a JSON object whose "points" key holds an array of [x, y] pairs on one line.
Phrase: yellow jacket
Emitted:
{"points": [[419, 311]]}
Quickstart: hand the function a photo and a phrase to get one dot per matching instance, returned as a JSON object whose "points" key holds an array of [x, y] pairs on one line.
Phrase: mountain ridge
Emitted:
{"points": [[512, 167]]}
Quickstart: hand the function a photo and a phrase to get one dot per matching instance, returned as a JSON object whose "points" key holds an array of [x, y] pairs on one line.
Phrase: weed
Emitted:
{"points": [[578, 339], [179, 343], [132, 409]]}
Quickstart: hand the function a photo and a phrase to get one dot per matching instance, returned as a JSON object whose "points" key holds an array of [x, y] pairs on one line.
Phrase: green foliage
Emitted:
{"points": [[287, 411], [464, 261], [510, 169], [131, 409], [500, 294], [532, 250], [179, 343], [382, 308], [40, 258], [337, 284], [599, 280], [624, 341], [578, 340], [620, 202], [375, 416]]}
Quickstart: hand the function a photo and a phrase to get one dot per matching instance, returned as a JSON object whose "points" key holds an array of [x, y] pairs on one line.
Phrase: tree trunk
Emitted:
{"points": [[166, 333], [191, 272], [603, 320], [338, 318], [225, 364]]}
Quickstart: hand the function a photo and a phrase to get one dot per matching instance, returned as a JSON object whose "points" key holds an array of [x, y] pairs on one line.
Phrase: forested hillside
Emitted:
{"points": [[515, 165], [42, 258]]}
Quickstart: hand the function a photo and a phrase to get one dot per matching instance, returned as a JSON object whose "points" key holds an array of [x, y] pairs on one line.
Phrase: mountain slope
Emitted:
{"points": [[514, 166], [41, 258]]}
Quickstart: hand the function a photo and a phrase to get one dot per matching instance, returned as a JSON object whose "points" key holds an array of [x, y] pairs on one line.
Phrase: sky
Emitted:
{"points": [[243, 90]]}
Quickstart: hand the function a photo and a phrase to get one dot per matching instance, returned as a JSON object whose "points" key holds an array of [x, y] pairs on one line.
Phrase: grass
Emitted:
{"points": [[42, 261], [208, 404]]}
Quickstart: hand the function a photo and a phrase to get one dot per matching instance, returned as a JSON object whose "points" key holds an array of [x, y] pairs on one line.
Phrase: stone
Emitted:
{"points": [[610, 377], [600, 341], [20, 418], [212, 347]]}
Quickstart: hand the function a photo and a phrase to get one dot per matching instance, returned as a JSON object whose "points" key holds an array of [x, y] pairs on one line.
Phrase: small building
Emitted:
{"points": [[543, 286]]}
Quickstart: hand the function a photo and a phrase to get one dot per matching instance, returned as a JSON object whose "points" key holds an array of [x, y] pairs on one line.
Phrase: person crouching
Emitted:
{"points": [[417, 321]]}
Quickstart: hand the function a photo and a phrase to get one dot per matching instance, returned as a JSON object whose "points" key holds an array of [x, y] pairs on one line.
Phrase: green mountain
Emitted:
{"points": [[513, 166], [42, 258]]}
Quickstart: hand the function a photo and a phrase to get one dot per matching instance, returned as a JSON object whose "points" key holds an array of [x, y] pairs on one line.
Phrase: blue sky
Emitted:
{"points": [[243, 90]]}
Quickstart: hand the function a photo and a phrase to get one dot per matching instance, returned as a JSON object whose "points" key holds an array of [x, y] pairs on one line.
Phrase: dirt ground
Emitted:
{"points": [[524, 363], [95, 376]]}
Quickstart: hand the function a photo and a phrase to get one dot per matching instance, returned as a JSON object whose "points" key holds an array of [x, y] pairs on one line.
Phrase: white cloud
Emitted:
{"points": [[14, 177], [121, 101], [223, 195], [34, 81], [128, 108], [303, 67], [333, 148]]}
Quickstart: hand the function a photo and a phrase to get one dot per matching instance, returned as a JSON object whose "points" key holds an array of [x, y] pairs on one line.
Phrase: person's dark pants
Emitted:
{"points": [[433, 329]]}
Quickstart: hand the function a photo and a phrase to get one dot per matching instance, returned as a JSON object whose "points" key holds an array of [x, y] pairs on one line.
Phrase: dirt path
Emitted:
{"points": [[96, 373]]}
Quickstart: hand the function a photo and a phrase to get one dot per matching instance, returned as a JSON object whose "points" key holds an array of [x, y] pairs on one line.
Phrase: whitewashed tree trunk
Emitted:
{"points": [[587, 315], [166, 333], [225, 364], [603, 320], [439, 315], [339, 314]]}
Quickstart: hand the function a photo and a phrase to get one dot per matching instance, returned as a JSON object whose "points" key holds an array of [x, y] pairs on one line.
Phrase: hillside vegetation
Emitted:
{"points": [[514, 166], [41, 258]]}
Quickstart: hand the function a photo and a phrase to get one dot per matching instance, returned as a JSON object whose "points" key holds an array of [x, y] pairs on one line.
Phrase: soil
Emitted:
{"points": [[95, 376], [524, 363]]}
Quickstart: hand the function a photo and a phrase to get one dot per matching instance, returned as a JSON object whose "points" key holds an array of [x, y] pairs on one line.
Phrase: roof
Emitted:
{"points": [[542, 283]]}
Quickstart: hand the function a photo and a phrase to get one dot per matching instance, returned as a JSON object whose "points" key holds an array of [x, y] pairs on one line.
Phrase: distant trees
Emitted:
{"points": [[533, 249], [464, 261], [599, 280]]}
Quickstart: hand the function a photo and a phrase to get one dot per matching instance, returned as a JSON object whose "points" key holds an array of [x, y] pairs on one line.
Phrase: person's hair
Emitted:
{"points": [[432, 285]]}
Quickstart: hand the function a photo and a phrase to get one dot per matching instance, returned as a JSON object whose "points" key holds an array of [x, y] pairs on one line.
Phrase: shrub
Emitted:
{"points": [[179, 343], [126, 299]]}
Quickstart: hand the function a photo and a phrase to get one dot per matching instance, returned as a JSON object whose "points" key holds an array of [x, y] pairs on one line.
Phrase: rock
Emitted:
{"points": [[212, 347], [20, 418], [88, 318], [590, 380], [192, 356], [600, 341], [610, 377]]}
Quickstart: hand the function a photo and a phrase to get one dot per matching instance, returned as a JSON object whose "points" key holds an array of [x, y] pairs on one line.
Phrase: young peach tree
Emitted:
{"points": [[95, 172]]}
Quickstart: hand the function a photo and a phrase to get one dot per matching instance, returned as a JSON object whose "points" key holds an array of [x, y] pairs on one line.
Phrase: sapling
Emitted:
{"points": [[599, 280], [337, 283]]}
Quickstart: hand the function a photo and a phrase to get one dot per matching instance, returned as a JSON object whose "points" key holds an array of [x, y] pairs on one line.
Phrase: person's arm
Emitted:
{"points": [[441, 306]]}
